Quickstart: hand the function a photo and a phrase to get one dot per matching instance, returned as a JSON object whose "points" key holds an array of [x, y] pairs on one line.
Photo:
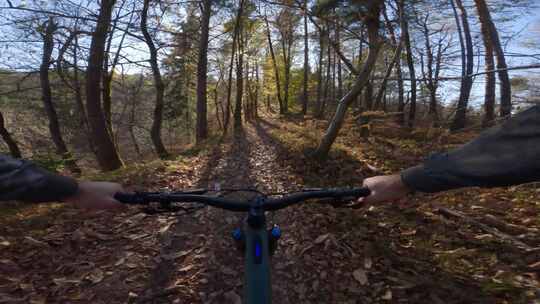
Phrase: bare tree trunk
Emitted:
{"points": [[233, 52], [306, 62], [8, 139], [372, 22], [274, 63], [490, 33], [320, 74], [368, 95], [466, 83], [202, 68], [106, 153], [489, 98], [359, 98], [286, 46], [257, 84], [217, 103], [107, 77], [327, 92], [382, 88], [49, 28], [410, 64], [339, 76], [401, 103], [430, 80], [155, 132], [239, 82]]}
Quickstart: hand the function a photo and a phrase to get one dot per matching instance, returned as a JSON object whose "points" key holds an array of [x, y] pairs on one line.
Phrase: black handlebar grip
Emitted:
{"points": [[365, 191], [126, 198]]}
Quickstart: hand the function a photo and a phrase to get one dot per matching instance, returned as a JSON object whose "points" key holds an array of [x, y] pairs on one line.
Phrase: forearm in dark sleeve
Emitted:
{"points": [[504, 155], [22, 180]]}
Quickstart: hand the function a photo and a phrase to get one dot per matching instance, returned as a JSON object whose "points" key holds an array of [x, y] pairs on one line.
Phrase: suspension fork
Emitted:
{"points": [[257, 284], [254, 242]]}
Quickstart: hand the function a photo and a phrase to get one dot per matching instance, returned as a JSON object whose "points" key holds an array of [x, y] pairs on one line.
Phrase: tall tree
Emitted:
{"points": [[286, 22], [410, 64], [318, 107], [236, 31], [155, 131], [372, 20], [434, 53], [275, 65], [202, 69], [491, 37], [239, 79], [489, 93], [306, 62], [48, 29], [106, 153], [401, 91], [467, 56], [109, 76]]}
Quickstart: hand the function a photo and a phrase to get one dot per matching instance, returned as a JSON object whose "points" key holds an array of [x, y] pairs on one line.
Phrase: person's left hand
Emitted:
{"points": [[96, 196]]}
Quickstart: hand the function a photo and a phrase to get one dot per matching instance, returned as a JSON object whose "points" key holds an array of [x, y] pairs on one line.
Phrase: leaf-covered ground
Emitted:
{"points": [[464, 246]]}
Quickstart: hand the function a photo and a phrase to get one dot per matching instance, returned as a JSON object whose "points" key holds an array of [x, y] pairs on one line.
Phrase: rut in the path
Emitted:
{"points": [[249, 160]]}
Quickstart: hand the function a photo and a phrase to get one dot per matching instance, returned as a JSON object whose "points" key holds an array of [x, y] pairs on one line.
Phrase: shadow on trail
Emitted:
{"points": [[210, 270], [340, 169], [427, 282]]}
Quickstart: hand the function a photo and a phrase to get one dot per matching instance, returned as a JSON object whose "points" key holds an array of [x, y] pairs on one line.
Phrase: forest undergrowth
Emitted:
{"points": [[463, 246]]}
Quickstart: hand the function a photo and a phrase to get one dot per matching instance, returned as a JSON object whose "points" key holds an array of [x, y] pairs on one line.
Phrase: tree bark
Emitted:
{"points": [[401, 102], [155, 131], [274, 63], [339, 76], [430, 78], [239, 82], [320, 74], [231, 67], [372, 22], [490, 31], [49, 28], [489, 96], [410, 64], [106, 153], [382, 88], [306, 63], [466, 83], [8, 139], [202, 69], [286, 46]]}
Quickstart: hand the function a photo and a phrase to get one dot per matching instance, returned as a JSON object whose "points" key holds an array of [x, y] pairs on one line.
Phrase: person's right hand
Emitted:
{"points": [[96, 196], [384, 188]]}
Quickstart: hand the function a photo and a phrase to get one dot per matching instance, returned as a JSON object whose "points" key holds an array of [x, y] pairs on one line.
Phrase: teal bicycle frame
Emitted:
{"points": [[257, 286], [257, 245]]}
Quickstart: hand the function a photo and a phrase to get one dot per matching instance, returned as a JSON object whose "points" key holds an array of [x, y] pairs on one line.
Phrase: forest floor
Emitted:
{"points": [[463, 246]]}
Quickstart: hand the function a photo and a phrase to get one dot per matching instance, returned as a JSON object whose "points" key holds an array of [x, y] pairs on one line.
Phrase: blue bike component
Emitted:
{"points": [[258, 251], [257, 287], [237, 234], [275, 232]]}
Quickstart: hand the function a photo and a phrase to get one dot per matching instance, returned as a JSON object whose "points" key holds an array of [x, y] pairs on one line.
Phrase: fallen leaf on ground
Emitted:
{"points": [[322, 238], [361, 276], [95, 276]]}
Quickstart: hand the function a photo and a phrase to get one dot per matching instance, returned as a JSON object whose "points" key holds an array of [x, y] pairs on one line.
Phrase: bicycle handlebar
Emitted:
{"points": [[270, 204]]}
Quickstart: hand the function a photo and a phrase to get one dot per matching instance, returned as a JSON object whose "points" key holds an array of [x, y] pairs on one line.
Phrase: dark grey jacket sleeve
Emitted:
{"points": [[507, 154], [24, 181]]}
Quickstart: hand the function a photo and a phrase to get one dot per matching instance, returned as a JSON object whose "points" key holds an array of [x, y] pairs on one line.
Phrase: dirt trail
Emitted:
{"points": [[326, 255]]}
